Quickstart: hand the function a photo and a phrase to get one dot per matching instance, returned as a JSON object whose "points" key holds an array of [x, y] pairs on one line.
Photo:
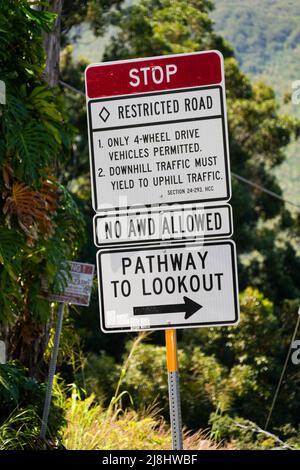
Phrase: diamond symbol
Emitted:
{"points": [[104, 114]]}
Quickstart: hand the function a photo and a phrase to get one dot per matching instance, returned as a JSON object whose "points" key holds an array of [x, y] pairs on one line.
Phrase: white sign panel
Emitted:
{"points": [[166, 147], [78, 288], [189, 222], [172, 286]]}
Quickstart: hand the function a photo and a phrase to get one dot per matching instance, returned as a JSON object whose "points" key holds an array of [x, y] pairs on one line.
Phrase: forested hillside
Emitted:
{"points": [[265, 36], [266, 39]]}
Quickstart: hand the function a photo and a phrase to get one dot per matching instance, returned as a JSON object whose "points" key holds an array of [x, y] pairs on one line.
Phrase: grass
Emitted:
{"points": [[21, 430], [91, 427], [16, 431]]}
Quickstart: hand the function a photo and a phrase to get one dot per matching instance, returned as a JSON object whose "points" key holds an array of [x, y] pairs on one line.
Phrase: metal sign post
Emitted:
{"points": [[52, 369], [174, 391], [76, 292]]}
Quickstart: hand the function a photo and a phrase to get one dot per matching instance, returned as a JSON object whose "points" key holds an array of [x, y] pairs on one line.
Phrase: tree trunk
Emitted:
{"points": [[52, 45], [27, 343]]}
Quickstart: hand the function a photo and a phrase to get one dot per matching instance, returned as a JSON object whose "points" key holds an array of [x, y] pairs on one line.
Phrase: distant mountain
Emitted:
{"points": [[266, 37], [263, 32]]}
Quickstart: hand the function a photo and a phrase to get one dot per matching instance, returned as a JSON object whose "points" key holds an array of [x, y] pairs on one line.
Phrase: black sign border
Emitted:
{"points": [[154, 240], [167, 326], [122, 97]]}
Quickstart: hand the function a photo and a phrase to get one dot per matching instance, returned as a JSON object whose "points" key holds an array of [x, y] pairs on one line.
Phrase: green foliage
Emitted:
{"points": [[265, 36], [27, 140], [21, 405], [143, 377], [260, 32], [18, 20], [161, 27], [9, 241], [19, 431], [95, 12], [40, 224], [205, 383], [97, 366], [232, 371], [254, 352], [246, 435], [91, 427]]}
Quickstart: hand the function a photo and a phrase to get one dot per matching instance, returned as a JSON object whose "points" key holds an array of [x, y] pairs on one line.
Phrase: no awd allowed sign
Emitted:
{"points": [[143, 226], [172, 286], [158, 131]]}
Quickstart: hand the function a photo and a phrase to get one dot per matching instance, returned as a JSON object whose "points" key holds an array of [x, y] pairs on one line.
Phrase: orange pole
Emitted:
{"points": [[171, 349], [174, 393]]}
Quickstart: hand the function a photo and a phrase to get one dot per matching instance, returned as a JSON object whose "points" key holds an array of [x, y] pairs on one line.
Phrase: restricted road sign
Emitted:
{"points": [[78, 288], [171, 286], [189, 222], [158, 131]]}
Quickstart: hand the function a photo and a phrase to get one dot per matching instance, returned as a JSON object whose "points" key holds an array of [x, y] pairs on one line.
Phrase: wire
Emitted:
{"points": [[70, 87], [235, 175], [254, 428], [263, 189], [282, 372]]}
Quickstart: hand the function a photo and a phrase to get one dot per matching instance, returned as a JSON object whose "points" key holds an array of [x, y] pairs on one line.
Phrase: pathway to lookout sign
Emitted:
{"points": [[175, 286], [161, 178]]}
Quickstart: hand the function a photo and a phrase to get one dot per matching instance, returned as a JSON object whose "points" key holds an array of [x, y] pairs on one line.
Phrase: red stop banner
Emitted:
{"points": [[155, 74]]}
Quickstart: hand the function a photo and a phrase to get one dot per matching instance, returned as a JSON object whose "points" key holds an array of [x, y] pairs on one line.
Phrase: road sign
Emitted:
{"points": [[158, 131], [189, 222], [78, 289], [168, 286]]}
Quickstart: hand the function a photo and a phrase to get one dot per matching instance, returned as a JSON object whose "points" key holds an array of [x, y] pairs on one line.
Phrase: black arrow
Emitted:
{"points": [[189, 307]]}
